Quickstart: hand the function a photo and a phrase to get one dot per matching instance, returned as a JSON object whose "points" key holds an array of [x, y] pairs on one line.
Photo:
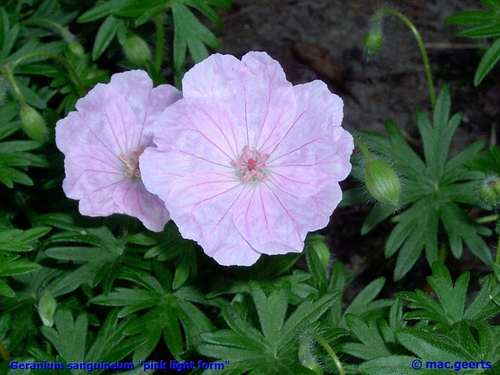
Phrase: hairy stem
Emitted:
{"points": [[62, 60], [329, 350], [160, 42], [420, 43], [7, 70]]}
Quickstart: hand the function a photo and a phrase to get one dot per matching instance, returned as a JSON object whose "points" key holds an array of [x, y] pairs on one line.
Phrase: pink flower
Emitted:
{"points": [[246, 163], [102, 141]]}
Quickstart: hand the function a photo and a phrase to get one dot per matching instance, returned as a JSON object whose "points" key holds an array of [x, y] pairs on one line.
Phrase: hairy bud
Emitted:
{"points": [[136, 49], [382, 182], [33, 124]]}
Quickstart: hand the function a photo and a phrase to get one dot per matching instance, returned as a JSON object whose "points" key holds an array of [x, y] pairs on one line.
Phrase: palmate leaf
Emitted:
{"points": [[167, 311], [465, 342], [71, 339], [100, 256], [189, 33], [485, 24], [431, 189], [451, 307], [268, 348]]}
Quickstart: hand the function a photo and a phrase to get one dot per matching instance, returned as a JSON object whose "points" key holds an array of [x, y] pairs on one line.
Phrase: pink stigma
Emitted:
{"points": [[132, 163], [251, 165]]}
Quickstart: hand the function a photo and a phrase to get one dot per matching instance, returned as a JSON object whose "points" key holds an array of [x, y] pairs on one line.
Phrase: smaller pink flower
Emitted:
{"points": [[102, 141]]}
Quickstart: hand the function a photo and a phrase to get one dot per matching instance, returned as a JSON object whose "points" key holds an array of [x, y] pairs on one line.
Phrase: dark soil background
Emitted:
{"points": [[322, 39]]}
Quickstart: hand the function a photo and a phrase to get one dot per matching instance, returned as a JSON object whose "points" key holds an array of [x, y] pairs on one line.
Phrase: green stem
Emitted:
{"points": [[7, 70], [62, 60], [417, 36], [3, 352], [363, 148], [160, 42], [329, 350], [64, 32]]}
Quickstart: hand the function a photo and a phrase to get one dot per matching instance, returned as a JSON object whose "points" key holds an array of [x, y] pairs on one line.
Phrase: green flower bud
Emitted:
{"points": [[46, 309], [382, 182], [318, 245], [372, 42], [76, 48], [306, 358], [33, 124], [489, 192], [136, 49]]}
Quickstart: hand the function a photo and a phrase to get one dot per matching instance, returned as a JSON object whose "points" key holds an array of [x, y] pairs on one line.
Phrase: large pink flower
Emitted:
{"points": [[102, 142], [246, 163]]}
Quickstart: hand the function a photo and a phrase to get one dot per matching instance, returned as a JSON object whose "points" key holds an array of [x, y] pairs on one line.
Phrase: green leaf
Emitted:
{"points": [[69, 337], [461, 228], [17, 267], [364, 304], [484, 307], [143, 11], [372, 344], [482, 31], [274, 350], [190, 33], [102, 10], [431, 191], [271, 311], [6, 290], [317, 270], [393, 364], [488, 61], [494, 5], [104, 36], [451, 297], [471, 17]]}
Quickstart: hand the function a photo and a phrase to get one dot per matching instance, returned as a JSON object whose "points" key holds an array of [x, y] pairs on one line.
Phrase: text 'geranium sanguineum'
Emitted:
{"points": [[246, 162], [102, 141]]}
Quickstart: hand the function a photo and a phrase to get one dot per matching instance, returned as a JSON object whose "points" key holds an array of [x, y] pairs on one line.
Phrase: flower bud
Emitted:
{"points": [[33, 124], [372, 42], [382, 182], [76, 48], [46, 309], [489, 192], [306, 358], [136, 49], [316, 241]]}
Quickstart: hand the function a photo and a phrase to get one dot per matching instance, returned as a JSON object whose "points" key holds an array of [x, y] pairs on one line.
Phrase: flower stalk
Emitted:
{"points": [[160, 42], [329, 350], [376, 21], [62, 60]]}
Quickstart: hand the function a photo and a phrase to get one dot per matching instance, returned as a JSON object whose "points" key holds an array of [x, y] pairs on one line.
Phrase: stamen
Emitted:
{"points": [[132, 164], [251, 165]]}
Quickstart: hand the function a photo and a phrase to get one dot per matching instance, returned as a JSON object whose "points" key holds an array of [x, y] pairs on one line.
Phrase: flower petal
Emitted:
{"points": [[89, 170], [274, 222], [316, 150], [104, 118], [255, 90], [199, 135], [134, 200], [241, 254], [92, 174], [146, 102], [265, 223], [201, 205]]}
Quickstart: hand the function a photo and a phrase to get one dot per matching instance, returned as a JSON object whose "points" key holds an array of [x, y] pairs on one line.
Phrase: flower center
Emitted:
{"points": [[132, 163], [251, 165]]}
